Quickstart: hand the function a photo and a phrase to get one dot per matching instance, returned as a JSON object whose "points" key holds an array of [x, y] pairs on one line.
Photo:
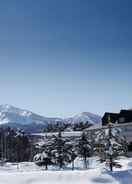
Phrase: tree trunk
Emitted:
{"points": [[72, 165], [46, 167]]}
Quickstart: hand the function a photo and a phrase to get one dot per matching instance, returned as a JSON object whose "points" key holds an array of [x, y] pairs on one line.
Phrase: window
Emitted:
{"points": [[121, 120]]}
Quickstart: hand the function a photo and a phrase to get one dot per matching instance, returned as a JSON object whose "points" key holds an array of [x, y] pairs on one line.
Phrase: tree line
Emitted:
{"points": [[14, 145], [54, 127], [60, 151]]}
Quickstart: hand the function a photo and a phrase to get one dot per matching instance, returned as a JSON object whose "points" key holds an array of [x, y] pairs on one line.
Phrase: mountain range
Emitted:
{"points": [[19, 118]]}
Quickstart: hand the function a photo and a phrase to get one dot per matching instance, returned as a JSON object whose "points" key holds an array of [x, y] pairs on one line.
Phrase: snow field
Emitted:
{"points": [[57, 177], [29, 173]]}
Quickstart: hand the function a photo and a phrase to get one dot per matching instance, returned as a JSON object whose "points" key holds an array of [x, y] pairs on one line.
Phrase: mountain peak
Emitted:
{"points": [[85, 117], [12, 109], [6, 106], [11, 114]]}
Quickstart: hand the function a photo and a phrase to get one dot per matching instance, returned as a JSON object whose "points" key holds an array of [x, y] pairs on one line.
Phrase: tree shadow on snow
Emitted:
{"points": [[123, 177], [102, 180]]}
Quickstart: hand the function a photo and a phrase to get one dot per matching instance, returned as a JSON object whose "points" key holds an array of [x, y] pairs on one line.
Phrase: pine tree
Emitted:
{"points": [[15, 146], [61, 151], [84, 148], [42, 159], [111, 143], [73, 156]]}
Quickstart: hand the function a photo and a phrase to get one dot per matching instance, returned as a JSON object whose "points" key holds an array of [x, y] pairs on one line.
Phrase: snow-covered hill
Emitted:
{"points": [[85, 117], [20, 118]]}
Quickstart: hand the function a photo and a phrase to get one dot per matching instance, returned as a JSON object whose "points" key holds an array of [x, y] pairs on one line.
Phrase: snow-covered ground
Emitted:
{"points": [[28, 173]]}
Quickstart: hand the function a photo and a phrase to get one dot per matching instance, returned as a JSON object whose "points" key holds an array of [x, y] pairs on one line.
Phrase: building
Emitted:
{"points": [[113, 118], [124, 116]]}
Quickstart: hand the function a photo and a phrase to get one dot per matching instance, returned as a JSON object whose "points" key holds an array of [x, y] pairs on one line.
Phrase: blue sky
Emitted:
{"points": [[62, 57]]}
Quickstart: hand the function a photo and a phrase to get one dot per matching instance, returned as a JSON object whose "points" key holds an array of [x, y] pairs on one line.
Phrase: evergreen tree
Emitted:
{"points": [[42, 159], [15, 145], [112, 144], [84, 148], [61, 151]]}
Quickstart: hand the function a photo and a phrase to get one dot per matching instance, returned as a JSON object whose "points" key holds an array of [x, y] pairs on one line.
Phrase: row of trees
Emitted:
{"points": [[14, 145], [61, 151], [54, 127]]}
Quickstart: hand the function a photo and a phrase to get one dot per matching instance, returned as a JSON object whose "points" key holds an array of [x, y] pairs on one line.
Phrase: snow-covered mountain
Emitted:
{"points": [[20, 118], [11, 114], [85, 117]]}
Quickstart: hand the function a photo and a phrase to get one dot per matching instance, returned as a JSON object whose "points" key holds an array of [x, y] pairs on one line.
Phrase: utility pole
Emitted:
{"points": [[1, 148], [110, 144]]}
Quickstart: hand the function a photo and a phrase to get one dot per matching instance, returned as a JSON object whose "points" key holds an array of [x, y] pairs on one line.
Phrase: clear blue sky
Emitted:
{"points": [[62, 57]]}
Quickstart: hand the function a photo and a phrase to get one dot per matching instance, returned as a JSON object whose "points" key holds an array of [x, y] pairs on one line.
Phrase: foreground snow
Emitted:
{"points": [[63, 177], [28, 173], [59, 177]]}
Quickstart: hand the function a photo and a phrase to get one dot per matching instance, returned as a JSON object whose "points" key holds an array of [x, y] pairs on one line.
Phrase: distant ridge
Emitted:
{"points": [[21, 118]]}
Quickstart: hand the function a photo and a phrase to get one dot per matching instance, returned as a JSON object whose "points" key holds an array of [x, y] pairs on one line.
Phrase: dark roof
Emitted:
{"points": [[125, 114], [113, 118]]}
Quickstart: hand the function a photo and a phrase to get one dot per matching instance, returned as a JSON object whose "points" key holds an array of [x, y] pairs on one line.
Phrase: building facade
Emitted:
{"points": [[124, 116]]}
